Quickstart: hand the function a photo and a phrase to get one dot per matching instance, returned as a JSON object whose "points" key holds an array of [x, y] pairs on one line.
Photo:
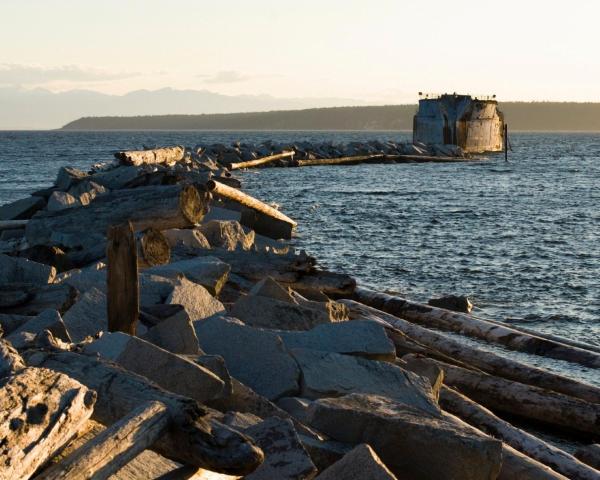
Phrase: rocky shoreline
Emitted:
{"points": [[155, 322]]}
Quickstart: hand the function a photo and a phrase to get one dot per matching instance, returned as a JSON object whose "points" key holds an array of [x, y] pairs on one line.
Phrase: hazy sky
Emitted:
{"points": [[374, 50]]}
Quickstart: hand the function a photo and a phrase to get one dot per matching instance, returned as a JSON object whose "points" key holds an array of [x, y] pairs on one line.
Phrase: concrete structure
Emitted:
{"points": [[474, 124]]}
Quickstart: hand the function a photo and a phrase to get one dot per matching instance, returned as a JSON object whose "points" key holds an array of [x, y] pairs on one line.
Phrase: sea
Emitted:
{"points": [[521, 237]]}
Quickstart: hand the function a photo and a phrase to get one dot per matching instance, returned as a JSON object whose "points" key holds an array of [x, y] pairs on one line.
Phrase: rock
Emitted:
{"points": [[333, 375], [241, 421], [255, 357], [10, 360], [452, 302], [21, 209], [16, 269], [363, 338], [172, 372], [220, 213], [117, 177], [83, 279], [47, 320], [84, 192], [29, 299], [324, 453], [188, 237], [426, 369], [269, 288], [589, 454], [48, 255], [12, 234], [215, 364], [61, 200], [338, 312], [227, 234], [412, 443], [88, 316], [265, 312], [360, 463], [195, 299], [297, 407], [10, 323], [210, 272], [174, 334], [68, 177], [285, 457]]}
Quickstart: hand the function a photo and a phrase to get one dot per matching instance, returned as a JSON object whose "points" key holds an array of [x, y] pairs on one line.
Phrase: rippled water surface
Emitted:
{"points": [[521, 238]]}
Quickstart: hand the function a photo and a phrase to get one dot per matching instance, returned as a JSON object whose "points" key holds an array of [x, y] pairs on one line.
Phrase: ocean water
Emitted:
{"points": [[521, 238]]}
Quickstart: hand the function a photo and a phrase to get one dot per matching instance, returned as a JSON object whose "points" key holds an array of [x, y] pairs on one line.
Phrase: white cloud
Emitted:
{"points": [[19, 74]]}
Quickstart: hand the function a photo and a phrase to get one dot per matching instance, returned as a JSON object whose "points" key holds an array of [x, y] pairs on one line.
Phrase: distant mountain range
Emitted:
{"points": [[42, 109], [520, 116]]}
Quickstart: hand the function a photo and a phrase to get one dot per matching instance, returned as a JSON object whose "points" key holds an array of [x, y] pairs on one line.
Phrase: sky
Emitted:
{"points": [[377, 51]]}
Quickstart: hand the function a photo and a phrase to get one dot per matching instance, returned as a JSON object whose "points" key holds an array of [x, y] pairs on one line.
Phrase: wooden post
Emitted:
{"points": [[123, 294], [506, 142]]}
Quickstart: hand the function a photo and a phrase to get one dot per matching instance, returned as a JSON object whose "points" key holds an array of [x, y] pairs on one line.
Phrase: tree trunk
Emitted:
{"points": [[531, 446], [40, 411], [167, 155], [114, 447], [526, 401], [191, 439], [340, 160], [160, 207], [261, 161], [467, 325], [152, 248], [123, 290], [486, 361], [262, 218]]}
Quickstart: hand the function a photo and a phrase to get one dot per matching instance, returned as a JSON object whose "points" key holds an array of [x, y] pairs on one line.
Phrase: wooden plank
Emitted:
{"points": [[123, 291]]}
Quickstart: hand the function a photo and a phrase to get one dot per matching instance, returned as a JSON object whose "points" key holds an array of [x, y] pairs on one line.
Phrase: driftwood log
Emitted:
{"points": [[259, 216], [486, 361], [193, 438], [503, 395], [340, 160], [10, 360], [261, 161], [530, 445], [114, 447], [159, 207], [40, 411], [12, 224], [152, 248], [167, 155], [467, 325], [123, 289]]}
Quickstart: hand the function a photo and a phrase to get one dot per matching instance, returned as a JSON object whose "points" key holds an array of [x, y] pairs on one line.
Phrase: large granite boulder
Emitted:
{"points": [[360, 463]]}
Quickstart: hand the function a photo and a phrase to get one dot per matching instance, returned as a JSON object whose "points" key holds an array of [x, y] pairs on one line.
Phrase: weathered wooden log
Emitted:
{"points": [[266, 221], [428, 159], [167, 155], [114, 447], [153, 248], [12, 224], [40, 411], [589, 454], [193, 438], [467, 325], [159, 207], [261, 161], [123, 289], [486, 361], [10, 360], [340, 160], [503, 395], [530, 445]]}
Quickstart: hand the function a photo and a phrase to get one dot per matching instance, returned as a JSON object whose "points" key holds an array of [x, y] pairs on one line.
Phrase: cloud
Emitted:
{"points": [[18, 74], [225, 76]]}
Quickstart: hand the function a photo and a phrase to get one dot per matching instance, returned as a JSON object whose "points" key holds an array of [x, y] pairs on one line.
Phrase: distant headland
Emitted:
{"points": [[521, 116]]}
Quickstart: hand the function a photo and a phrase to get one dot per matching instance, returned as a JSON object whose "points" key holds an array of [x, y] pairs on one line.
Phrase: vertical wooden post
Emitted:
{"points": [[123, 294], [506, 142]]}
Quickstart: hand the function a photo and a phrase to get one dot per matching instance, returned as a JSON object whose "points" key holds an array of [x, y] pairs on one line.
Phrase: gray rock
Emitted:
{"points": [[333, 375], [359, 464], [196, 300], [360, 337], [265, 312], [297, 407], [269, 288], [88, 316], [117, 177], [324, 453], [255, 357], [85, 191], [188, 237], [12, 234], [69, 176], [241, 421], [210, 272], [220, 213], [426, 369], [84, 279], [412, 443], [170, 371], [227, 234], [47, 320], [285, 457], [22, 270], [175, 334], [10, 323], [21, 209], [61, 200], [455, 303]]}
